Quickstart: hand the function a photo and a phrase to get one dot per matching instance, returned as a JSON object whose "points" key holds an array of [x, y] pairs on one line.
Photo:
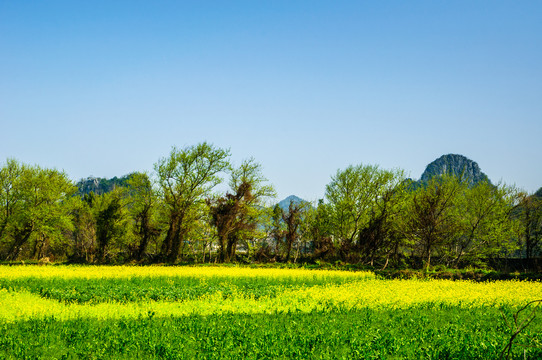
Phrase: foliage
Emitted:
{"points": [[143, 207], [111, 222], [130, 291], [369, 217], [293, 218], [33, 214], [485, 221], [519, 324], [233, 312], [236, 214], [185, 178], [529, 214], [319, 229], [359, 199], [365, 334], [432, 215]]}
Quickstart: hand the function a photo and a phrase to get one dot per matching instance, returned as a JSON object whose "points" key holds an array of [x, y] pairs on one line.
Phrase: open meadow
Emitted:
{"points": [[93, 312]]}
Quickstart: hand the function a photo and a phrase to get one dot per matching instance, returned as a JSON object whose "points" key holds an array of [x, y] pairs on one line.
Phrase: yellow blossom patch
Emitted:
{"points": [[362, 290]]}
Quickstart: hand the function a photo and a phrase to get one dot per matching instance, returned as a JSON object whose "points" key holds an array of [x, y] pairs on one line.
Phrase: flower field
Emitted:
{"points": [[233, 312]]}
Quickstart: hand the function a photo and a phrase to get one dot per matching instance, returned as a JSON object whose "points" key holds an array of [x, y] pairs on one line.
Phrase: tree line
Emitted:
{"points": [[369, 216]]}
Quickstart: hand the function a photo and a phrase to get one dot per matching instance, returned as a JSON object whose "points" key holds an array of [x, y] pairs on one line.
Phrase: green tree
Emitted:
{"points": [[12, 202], [33, 209], [143, 203], [83, 247], [202, 234], [486, 226], [293, 219], [529, 213], [432, 220], [111, 224], [380, 237], [236, 215], [277, 229], [319, 229], [186, 178], [356, 196]]}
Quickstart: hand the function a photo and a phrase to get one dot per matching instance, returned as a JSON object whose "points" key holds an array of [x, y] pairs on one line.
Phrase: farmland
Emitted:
{"points": [[235, 312]]}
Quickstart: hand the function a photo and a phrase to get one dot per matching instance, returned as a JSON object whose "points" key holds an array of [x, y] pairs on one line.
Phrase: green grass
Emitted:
{"points": [[422, 331], [365, 334], [156, 288]]}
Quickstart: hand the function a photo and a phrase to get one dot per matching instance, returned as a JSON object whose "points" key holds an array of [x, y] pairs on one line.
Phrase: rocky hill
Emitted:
{"points": [[101, 185], [454, 164]]}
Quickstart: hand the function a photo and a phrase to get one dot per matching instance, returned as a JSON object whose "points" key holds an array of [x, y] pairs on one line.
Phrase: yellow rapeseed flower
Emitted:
{"points": [[356, 290]]}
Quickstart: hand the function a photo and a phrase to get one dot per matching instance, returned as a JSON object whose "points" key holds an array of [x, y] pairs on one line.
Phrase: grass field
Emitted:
{"points": [[70, 312]]}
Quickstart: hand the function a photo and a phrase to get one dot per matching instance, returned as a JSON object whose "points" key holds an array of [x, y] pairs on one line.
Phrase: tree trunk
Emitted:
{"points": [[175, 246], [174, 237], [38, 248], [145, 233], [428, 263], [528, 240], [387, 261], [223, 255], [232, 247], [21, 237], [167, 243], [290, 241], [277, 243]]}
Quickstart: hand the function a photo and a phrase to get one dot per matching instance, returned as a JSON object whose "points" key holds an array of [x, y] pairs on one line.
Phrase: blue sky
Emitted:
{"points": [[105, 88]]}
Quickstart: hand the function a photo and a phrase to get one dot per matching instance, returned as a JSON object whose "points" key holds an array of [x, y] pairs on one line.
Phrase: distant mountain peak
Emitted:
{"points": [[285, 203], [454, 164], [101, 186]]}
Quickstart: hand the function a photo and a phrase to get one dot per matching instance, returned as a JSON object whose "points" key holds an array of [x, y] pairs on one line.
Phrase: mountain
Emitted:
{"points": [[101, 185], [454, 164], [285, 204]]}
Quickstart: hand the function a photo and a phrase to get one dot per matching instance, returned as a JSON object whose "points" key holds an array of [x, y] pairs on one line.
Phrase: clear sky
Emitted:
{"points": [[105, 88]]}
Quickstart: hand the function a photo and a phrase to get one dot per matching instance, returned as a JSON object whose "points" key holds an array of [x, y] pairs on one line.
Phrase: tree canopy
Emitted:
{"points": [[369, 216]]}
